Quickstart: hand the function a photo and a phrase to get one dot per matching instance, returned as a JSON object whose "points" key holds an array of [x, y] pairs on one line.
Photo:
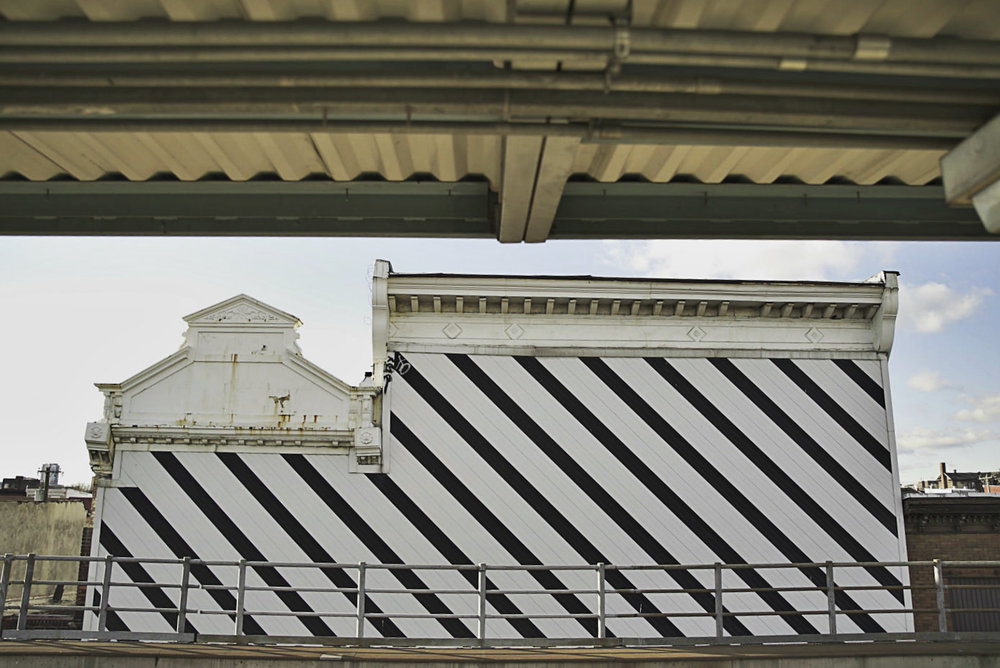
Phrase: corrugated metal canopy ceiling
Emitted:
{"points": [[540, 91]]}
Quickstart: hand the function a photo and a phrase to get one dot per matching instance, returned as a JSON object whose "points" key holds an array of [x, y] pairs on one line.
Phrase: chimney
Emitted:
{"points": [[943, 476]]}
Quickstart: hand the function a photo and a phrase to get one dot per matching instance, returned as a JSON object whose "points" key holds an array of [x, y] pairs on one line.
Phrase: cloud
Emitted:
{"points": [[928, 381], [755, 260], [933, 306], [922, 439], [984, 409]]}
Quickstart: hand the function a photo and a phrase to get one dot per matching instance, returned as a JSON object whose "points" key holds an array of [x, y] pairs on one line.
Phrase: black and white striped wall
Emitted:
{"points": [[510, 459]]}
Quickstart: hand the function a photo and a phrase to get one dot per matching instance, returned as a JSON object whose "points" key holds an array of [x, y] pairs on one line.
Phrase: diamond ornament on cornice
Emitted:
{"points": [[514, 331], [696, 333], [814, 335], [452, 330]]}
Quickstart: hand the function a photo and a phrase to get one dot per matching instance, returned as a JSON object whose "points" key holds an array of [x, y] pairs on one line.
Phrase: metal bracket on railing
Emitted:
{"points": [[602, 630], [102, 615], [719, 626], [182, 598], [8, 564], [482, 602], [831, 598], [241, 595], [29, 573], [939, 587], [361, 600]]}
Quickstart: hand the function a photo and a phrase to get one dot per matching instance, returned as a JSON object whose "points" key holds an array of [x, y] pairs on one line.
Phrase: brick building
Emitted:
{"points": [[954, 528]]}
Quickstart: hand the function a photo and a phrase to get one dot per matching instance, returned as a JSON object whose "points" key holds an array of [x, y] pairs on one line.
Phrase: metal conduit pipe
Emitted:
{"points": [[500, 35], [589, 134], [816, 65], [498, 80], [416, 104], [589, 59], [229, 54]]}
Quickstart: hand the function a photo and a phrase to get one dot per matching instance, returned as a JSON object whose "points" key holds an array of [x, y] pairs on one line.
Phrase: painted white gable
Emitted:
{"points": [[239, 366]]}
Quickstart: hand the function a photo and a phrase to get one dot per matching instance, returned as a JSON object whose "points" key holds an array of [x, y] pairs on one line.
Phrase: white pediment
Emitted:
{"points": [[240, 366], [242, 310]]}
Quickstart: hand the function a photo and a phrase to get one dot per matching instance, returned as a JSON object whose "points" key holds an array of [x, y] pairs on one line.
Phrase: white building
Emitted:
{"points": [[519, 420]]}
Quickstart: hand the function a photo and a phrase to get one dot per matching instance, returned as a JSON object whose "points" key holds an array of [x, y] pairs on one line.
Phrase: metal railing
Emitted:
{"points": [[102, 569]]}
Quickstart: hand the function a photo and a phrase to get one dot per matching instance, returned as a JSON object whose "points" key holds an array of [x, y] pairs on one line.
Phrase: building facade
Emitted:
{"points": [[520, 421]]}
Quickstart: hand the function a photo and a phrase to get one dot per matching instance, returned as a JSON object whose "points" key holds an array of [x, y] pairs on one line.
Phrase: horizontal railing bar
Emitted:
{"points": [[518, 567], [69, 583], [796, 565], [544, 592], [116, 583], [497, 642], [973, 609], [116, 608], [311, 590], [150, 585], [284, 613], [52, 606]]}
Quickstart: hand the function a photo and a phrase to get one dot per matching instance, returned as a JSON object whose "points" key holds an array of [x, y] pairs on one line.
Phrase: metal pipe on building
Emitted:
{"points": [[475, 35], [482, 41], [498, 106], [497, 80], [589, 134]]}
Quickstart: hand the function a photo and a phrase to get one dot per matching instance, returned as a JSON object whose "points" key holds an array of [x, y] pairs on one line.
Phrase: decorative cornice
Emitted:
{"points": [[498, 314], [232, 436], [952, 515]]}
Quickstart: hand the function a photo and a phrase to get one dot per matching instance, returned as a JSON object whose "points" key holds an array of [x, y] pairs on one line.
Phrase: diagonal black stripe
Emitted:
{"points": [[834, 410], [727, 490], [809, 445], [535, 499], [864, 381], [112, 622], [569, 466], [655, 484], [454, 554], [176, 544], [487, 519], [385, 554], [243, 545], [303, 538], [775, 473], [137, 573]]}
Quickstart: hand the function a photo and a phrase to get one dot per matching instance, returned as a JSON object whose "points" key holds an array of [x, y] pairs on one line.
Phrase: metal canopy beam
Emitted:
{"points": [[432, 209], [750, 211], [255, 208]]}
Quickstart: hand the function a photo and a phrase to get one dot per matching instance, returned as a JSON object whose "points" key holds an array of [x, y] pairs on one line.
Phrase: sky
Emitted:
{"points": [[77, 311]]}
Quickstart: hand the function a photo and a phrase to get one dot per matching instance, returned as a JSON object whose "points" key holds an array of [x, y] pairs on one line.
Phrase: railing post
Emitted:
{"points": [[939, 586], [182, 599], [29, 573], [602, 616], [241, 595], [718, 600], [361, 600], [831, 598], [102, 615], [482, 602], [8, 565]]}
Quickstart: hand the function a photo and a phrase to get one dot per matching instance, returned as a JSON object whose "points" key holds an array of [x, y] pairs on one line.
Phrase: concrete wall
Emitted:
{"points": [[54, 527]]}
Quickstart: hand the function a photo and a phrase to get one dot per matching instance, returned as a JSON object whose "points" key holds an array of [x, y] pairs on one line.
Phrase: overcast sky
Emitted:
{"points": [[80, 311]]}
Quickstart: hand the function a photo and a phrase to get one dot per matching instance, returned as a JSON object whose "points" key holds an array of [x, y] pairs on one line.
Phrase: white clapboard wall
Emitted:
{"points": [[509, 459]]}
